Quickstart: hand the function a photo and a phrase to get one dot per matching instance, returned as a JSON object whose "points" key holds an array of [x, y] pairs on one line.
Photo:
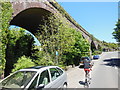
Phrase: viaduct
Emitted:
{"points": [[28, 14]]}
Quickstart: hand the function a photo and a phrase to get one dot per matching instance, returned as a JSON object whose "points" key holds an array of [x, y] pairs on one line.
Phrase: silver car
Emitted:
{"points": [[36, 78]]}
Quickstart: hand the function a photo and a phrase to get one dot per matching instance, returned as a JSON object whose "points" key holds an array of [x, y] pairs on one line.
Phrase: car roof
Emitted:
{"points": [[37, 68]]}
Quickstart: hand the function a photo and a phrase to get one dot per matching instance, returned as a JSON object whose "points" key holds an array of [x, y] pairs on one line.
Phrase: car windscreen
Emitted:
{"points": [[18, 80]]}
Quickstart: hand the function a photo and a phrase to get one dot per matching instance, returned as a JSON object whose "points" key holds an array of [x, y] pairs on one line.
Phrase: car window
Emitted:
{"points": [[34, 83], [60, 71], [19, 79], [44, 78], [54, 73]]}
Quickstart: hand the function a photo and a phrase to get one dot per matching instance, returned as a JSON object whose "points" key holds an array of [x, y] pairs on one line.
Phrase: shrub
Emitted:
{"points": [[96, 52], [23, 62]]}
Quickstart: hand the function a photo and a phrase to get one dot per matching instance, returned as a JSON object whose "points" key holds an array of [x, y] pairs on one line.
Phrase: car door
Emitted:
{"points": [[56, 80], [44, 79], [33, 85], [63, 77]]}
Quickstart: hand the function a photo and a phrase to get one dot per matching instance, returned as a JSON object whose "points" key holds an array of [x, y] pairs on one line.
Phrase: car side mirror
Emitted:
{"points": [[40, 86]]}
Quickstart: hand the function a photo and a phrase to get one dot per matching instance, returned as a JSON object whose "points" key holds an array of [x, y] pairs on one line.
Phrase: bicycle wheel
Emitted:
{"points": [[86, 85], [87, 80]]}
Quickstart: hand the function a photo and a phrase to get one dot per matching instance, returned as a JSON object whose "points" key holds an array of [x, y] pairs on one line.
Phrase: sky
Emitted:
{"points": [[98, 18], [87, 0], [119, 10], [35, 39]]}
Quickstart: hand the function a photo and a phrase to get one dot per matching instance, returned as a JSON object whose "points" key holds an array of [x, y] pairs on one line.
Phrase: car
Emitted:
{"points": [[37, 77], [96, 57], [82, 61]]}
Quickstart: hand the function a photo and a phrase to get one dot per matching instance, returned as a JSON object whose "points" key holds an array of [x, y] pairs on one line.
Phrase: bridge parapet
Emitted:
{"points": [[20, 5]]}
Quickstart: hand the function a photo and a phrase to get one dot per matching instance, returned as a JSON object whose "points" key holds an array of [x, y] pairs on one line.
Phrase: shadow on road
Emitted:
{"points": [[81, 66], [81, 82], [113, 62]]}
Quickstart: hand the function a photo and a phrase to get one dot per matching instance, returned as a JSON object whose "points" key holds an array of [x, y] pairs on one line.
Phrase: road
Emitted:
{"points": [[104, 73]]}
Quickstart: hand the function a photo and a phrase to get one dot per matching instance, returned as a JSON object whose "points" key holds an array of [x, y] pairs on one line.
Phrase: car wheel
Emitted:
{"points": [[65, 85]]}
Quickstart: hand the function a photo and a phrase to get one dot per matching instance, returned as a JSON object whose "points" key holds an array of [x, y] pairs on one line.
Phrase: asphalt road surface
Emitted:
{"points": [[104, 73]]}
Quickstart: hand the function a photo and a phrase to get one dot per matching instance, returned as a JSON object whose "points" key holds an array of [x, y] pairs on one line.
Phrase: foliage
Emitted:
{"points": [[110, 46], [40, 58], [96, 52], [113, 46], [54, 37], [65, 14], [19, 43], [80, 48], [116, 32], [5, 17], [23, 62]]}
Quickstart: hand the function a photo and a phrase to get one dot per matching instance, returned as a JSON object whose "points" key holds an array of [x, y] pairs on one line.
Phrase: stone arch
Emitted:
{"points": [[30, 18], [99, 46], [93, 46]]}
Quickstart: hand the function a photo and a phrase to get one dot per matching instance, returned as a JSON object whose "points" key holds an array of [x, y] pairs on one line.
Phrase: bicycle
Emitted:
{"points": [[87, 80]]}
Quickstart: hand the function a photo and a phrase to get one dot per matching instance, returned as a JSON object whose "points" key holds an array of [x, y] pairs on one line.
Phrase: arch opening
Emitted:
{"points": [[30, 19], [93, 46]]}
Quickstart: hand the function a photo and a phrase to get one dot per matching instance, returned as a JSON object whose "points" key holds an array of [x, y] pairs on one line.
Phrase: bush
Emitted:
{"points": [[96, 52], [63, 67], [23, 62]]}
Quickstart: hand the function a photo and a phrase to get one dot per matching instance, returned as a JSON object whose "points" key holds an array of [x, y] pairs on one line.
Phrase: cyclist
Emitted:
{"points": [[87, 66]]}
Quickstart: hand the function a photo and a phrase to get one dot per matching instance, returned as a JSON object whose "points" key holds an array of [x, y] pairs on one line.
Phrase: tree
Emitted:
{"points": [[80, 48], [54, 35], [23, 62], [116, 32], [110, 46], [5, 17], [19, 43]]}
